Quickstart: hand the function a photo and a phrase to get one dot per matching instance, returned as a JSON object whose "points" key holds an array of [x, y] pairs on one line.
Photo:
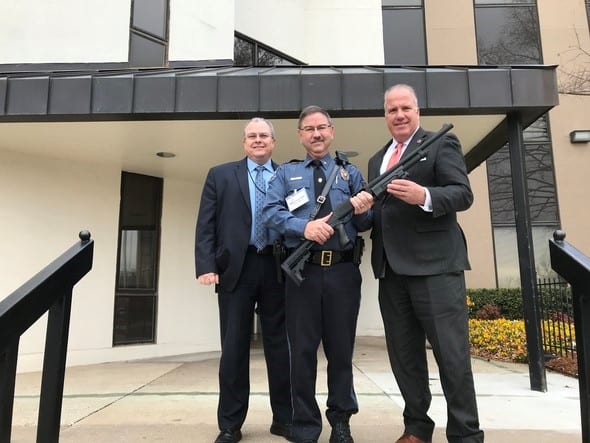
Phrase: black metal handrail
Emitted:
{"points": [[48, 291], [574, 267]]}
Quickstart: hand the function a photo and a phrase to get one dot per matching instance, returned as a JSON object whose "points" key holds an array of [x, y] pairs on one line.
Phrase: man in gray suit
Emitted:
{"points": [[419, 256]]}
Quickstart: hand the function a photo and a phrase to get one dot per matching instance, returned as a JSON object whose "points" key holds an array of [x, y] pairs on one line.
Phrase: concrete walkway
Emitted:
{"points": [[175, 400]]}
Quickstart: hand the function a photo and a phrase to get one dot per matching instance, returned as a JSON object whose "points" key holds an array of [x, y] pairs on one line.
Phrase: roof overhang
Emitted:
{"points": [[479, 96]]}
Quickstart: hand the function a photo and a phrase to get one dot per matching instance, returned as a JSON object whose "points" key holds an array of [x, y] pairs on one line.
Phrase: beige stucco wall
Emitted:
{"points": [[64, 31], [201, 30], [477, 228], [450, 36], [572, 163], [187, 311], [45, 203], [284, 23], [322, 32], [564, 30], [450, 32]]}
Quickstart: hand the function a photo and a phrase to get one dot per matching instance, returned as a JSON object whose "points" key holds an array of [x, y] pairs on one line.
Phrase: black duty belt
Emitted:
{"points": [[329, 258], [267, 250]]}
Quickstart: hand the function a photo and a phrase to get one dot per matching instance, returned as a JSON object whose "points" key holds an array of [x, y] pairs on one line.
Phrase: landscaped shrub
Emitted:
{"points": [[508, 300], [488, 312], [497, 329]]}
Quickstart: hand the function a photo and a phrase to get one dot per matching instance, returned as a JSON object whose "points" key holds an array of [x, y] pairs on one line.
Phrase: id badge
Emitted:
{"points": [[297, 199]]}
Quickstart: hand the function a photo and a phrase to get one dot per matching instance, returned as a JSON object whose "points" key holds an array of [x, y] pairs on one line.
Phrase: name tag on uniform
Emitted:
{"points": [[297, 199]]}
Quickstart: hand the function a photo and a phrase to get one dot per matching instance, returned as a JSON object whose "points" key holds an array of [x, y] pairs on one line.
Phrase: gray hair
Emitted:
{"points": [[407, 88], [261, 120]]}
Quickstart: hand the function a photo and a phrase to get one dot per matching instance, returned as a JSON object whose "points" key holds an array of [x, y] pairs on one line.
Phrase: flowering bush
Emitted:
{"points": [[499, 339], [493, 337]]}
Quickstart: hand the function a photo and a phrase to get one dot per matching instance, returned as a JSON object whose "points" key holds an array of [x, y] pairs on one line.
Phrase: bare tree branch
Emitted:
{"points": [[574, 70]]}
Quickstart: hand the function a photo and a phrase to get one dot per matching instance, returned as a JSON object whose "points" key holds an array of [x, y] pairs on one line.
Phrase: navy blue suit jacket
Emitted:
{"points": [[224, 223]]}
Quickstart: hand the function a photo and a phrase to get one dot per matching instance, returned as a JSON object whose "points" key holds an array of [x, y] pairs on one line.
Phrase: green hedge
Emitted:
{"points": [[509, 300]]}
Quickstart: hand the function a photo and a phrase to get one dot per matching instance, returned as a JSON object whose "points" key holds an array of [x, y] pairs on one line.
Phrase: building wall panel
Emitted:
{"points": [[201, 30], [64, 31]]}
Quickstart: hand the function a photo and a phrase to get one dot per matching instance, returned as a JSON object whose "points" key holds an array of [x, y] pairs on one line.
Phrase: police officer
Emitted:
{"points": [[324, 308]]}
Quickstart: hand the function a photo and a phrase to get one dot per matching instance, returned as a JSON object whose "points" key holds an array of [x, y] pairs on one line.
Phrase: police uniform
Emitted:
{"points": [[324, 308]]}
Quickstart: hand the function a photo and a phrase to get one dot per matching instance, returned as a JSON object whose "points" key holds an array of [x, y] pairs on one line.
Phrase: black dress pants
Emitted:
{"points": [[324, 309], [258, 288], [416, 307]]}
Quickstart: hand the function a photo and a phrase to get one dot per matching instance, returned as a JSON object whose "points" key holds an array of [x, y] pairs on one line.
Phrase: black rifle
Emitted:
{"points": [[294, 263]]}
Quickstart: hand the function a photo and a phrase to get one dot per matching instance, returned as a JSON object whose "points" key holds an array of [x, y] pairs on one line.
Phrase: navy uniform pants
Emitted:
{"points": [[324, 309], [258, 287], [415, 307]]}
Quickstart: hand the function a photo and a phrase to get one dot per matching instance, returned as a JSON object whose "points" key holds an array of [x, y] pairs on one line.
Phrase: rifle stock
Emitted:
{"points": [[295, 262]]}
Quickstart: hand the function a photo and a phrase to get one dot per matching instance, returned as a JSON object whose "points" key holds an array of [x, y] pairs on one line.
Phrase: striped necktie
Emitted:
{"points": [[259, 229]]}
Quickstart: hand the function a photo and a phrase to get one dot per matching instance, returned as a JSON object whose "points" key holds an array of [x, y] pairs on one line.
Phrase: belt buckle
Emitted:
{"points": [[326, 259]]}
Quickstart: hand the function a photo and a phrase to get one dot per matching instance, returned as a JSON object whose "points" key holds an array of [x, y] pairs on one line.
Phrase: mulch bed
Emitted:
{"points": [[563, 365]]}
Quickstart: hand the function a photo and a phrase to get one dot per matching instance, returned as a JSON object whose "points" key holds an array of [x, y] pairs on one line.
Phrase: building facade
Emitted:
{"points": [[68, 164]]}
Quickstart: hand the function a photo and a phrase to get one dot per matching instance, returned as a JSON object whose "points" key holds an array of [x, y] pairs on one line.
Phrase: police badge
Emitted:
{"points": [[344, 174]]}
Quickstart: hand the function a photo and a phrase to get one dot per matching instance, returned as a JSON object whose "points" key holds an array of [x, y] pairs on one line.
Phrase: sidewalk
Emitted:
{"points": [[175, 400]]}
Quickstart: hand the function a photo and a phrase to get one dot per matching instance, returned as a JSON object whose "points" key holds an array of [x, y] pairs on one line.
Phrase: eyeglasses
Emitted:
{"points": [[312, 129], [262, 136]]}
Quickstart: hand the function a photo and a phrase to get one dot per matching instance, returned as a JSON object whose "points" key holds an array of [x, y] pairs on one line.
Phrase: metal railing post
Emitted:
{"points": [[574, 267], [8, 360], [54, 369]]}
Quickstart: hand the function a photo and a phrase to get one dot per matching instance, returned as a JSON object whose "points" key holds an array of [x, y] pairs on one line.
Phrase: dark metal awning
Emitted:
{"points": [[231, 93]]}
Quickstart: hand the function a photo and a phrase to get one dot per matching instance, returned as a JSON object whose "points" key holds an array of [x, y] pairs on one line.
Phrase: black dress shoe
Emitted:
{"points": [[341, 433], [227, 436], [281, 429]]}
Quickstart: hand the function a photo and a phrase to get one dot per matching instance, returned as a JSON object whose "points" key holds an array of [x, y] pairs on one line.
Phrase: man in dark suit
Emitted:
{"points": [[233, 254], [419, 255]]}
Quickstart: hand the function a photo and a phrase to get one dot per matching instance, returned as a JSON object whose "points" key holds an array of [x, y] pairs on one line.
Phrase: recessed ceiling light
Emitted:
{"points": [[165, 154]]}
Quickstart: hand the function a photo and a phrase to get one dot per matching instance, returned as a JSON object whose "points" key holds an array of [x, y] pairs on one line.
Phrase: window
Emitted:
{"points": [[404, 38], [540, 179], [137, 264], [249, 52], [508, 33], [148, 34], [500, 2]]}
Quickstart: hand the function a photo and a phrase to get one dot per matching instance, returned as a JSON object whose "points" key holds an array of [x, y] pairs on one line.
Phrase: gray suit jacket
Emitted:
{"points": [[413, 241]]}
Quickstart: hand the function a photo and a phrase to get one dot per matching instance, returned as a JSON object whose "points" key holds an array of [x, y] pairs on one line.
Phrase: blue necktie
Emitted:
{"points": [[259, 229]]}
